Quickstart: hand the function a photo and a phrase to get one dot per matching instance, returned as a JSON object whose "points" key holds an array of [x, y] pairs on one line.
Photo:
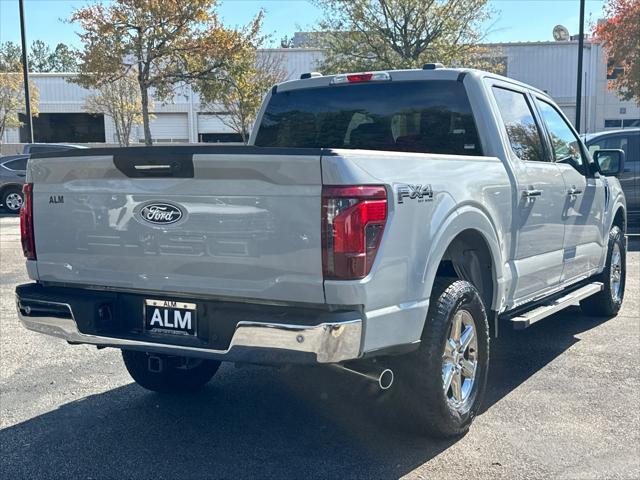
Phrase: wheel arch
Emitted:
{"points": [[468, 240], [619, 217]]}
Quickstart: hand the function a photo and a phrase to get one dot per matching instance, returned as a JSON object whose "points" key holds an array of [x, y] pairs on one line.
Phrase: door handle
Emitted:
{"points": [[532, 192], [573, 191]]}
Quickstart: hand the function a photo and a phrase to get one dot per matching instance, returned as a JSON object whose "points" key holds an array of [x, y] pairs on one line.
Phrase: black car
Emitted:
{"points": [[628, 140]]}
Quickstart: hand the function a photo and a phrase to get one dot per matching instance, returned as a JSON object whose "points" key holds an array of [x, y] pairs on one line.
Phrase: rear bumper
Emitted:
{"points": [[321, 337]]}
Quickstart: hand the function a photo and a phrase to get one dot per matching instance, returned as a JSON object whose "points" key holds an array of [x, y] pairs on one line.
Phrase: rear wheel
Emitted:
{"points": [[167, 374], [442, 384], [12, 199], [608, 301]]}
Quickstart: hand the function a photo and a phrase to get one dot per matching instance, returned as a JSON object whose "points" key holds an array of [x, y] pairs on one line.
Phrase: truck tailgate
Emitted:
{"points": [[220, 221]]}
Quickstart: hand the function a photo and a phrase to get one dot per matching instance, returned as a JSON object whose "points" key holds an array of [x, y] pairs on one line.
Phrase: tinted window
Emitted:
{"points": [[65, 127], [19, 164], [612, 123], [564, 143], [630, 144], [522, 129], [633, 147], [430, 116]]}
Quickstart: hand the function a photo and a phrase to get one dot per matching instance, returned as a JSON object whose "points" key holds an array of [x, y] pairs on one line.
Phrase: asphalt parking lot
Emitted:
{"points": [[563, 402]]}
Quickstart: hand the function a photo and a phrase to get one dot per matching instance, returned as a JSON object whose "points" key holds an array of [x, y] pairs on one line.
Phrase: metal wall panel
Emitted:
{"points": [[208, 123], [168, 127]]}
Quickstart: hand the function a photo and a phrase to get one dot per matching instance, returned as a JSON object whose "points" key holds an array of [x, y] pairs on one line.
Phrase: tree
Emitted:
{"points": [[63, 59], [241, 89], [286, 42], [12, 100], [10, 57], [163, 43], [41, 58], [364, 35], [620, 37], [120, 100]]}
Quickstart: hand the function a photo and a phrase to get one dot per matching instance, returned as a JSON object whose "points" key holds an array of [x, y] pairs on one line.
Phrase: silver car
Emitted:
{"points": [[12, 172]]}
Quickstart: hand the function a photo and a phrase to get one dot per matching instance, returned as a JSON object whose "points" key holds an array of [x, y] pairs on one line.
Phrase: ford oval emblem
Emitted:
{"points": [[160, 213]]}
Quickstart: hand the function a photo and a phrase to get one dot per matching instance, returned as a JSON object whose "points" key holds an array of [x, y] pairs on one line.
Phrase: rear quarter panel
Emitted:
{"points": [[468, 192]]}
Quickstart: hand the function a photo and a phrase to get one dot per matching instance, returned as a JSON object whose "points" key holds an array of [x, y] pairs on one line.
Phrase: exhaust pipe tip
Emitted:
{"points": [[386, 379], [383, 378]]}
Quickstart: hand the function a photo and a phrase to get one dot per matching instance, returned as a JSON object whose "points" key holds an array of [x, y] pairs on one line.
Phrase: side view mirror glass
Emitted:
{"points": [[609, 162]]}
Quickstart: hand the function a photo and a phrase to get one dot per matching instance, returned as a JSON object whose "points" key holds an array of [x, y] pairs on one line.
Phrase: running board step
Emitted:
{"points": [[532, 316]]}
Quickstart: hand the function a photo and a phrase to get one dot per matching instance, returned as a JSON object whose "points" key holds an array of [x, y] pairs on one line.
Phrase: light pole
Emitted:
{"points": [[25, 74], [580, 54]]}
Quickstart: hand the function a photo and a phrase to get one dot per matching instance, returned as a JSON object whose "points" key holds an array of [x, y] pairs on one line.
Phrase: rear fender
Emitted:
{"points": [[466, 218]]}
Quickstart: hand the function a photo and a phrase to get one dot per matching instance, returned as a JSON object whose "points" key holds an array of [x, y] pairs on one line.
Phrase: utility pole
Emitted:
{"points": [[580, 54], [25, 74]]}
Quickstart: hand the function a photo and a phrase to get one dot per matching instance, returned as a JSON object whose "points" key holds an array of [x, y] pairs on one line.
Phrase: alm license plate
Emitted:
{"points": [[170, 316]]}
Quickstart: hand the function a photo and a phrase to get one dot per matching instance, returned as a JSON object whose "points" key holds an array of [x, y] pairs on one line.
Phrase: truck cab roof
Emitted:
{"points": [[413, 74]]}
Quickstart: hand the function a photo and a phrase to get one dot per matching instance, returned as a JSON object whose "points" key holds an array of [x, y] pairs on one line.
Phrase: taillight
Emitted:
{"points": [[353, 220], [26, 223], [361, 77]]}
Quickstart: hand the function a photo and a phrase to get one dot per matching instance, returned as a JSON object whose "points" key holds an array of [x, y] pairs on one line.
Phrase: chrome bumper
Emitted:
{"points": [[252, 342]]}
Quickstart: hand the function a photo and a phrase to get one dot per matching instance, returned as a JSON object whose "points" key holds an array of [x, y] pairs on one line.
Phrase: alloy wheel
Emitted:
{"points": [[460, 360], [13, 202], [615, 272]]}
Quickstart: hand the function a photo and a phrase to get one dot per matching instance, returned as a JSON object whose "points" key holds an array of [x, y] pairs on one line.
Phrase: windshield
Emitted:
{"points": [[424, 116]]}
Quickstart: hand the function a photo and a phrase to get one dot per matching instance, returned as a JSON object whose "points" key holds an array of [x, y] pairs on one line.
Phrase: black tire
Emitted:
{"points": [[606, 303], [11, 206], [419, 389], [177, 374]]}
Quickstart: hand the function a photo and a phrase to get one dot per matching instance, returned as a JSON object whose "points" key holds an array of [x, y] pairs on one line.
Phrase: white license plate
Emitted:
{"points": [[170, 316]]}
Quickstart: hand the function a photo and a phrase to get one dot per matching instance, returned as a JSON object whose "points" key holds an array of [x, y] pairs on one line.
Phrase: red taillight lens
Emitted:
{"points": [[26, 223], [359, 77], [353, 220]]}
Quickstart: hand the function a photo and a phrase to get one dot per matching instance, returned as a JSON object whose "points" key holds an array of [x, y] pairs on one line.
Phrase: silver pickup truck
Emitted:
{"points": [[383, 223]]}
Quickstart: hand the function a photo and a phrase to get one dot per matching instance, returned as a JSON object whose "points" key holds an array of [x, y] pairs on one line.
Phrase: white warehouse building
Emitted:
{"points": [[550, 66]]}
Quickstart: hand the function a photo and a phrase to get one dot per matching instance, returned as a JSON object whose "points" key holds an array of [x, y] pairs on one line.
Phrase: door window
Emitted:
{"points": [[564, 143], [523, 132], [630, 144]]}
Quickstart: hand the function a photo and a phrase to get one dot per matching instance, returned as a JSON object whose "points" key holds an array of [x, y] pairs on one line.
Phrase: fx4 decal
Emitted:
{"points": [[421, 192]]}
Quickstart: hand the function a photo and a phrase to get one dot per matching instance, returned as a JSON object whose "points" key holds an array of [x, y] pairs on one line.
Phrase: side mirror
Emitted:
{"points": [[609, 162]]}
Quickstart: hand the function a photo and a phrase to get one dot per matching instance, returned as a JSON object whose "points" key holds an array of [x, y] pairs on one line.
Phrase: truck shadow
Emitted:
{"points": [[257, 422]]}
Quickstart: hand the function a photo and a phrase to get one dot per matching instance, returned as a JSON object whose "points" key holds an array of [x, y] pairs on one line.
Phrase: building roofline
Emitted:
{"points": [[587, 42], [617, 131], [293, 49], [51, 74]]}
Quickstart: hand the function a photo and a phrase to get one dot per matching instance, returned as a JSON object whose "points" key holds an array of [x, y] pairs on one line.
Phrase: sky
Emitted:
{"points": [[513, 20]]}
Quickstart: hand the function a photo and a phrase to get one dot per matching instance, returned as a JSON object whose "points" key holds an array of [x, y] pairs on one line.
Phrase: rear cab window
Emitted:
{"points": [[524, 134], [428, 116]]}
